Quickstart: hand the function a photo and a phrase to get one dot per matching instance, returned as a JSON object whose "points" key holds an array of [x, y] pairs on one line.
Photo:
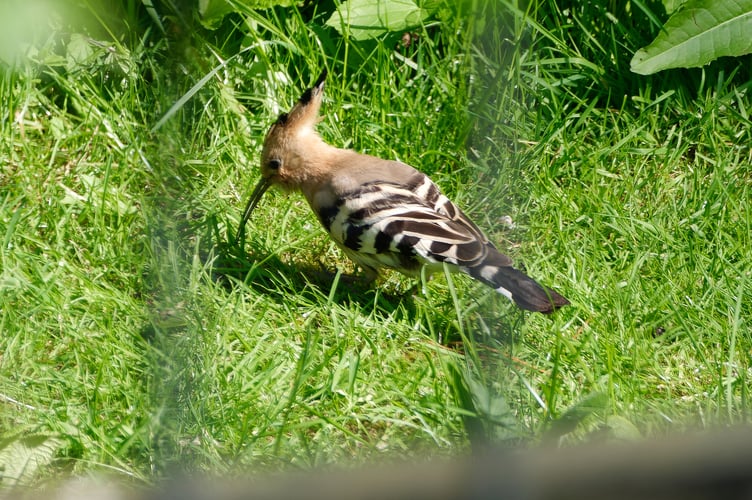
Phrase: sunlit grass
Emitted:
{"points": [[137, 339]]}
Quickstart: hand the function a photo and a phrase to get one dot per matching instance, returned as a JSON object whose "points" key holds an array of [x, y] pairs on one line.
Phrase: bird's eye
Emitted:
{"points": [[274, 164]]}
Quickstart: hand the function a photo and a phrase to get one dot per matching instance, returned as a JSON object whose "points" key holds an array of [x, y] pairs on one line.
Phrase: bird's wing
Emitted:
{"points": [[406, 217]]}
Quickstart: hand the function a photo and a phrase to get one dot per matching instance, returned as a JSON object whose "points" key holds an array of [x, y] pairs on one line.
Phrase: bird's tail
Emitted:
{"points": [[527, 293]]}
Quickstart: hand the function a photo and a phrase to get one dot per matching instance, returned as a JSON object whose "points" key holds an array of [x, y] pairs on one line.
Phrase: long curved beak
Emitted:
{"points": [[258, 192]]}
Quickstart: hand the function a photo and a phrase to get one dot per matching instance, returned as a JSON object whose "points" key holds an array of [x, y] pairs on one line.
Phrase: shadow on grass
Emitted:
{"points": [[260, 269], [253, 264]]}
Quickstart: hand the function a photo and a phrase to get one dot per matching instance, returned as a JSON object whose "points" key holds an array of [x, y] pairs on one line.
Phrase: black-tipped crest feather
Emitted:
{"points": [[320, 80], [317, 87]]}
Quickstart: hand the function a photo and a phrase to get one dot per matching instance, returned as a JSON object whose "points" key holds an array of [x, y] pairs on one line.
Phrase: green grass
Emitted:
{"points": [[136, 340]]}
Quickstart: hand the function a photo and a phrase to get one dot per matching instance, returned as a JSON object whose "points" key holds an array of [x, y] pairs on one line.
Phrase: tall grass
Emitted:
{"points": [[137, 339]]}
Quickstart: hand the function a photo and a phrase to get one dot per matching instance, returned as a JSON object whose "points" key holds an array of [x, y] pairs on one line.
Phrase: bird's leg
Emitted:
{"points": [[425, 277], [369, 274]]}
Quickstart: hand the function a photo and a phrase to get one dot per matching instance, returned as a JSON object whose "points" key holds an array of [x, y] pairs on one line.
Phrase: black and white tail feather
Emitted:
{"points": [[384, 213]]}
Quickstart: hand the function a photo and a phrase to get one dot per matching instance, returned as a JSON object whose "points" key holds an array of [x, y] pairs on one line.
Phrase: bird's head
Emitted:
{"points": [[288, 143], [285, 143]]}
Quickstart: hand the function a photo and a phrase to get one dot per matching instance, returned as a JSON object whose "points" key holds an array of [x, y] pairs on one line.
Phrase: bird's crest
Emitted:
{"points": [[305, 112]]}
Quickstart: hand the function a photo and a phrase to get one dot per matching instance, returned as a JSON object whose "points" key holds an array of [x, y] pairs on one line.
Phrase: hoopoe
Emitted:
{"points": [[384, 213]]}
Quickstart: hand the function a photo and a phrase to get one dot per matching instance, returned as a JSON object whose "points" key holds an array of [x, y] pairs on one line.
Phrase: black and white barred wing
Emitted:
{"points": [[404, 226]]}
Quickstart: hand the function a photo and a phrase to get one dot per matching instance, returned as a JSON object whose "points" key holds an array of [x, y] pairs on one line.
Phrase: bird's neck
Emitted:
{"points": [[311, 163]]}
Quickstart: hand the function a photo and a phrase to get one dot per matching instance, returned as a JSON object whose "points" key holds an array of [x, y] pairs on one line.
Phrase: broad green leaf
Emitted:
{"points": [[672, 6], [22, 457], [79, 50], [574, 415], [621, 428], [701, 31], [213, 11], [365, 19]]}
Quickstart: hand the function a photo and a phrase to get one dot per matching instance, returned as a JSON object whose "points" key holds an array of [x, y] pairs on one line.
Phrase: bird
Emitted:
{"points": [[383, 213]]}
